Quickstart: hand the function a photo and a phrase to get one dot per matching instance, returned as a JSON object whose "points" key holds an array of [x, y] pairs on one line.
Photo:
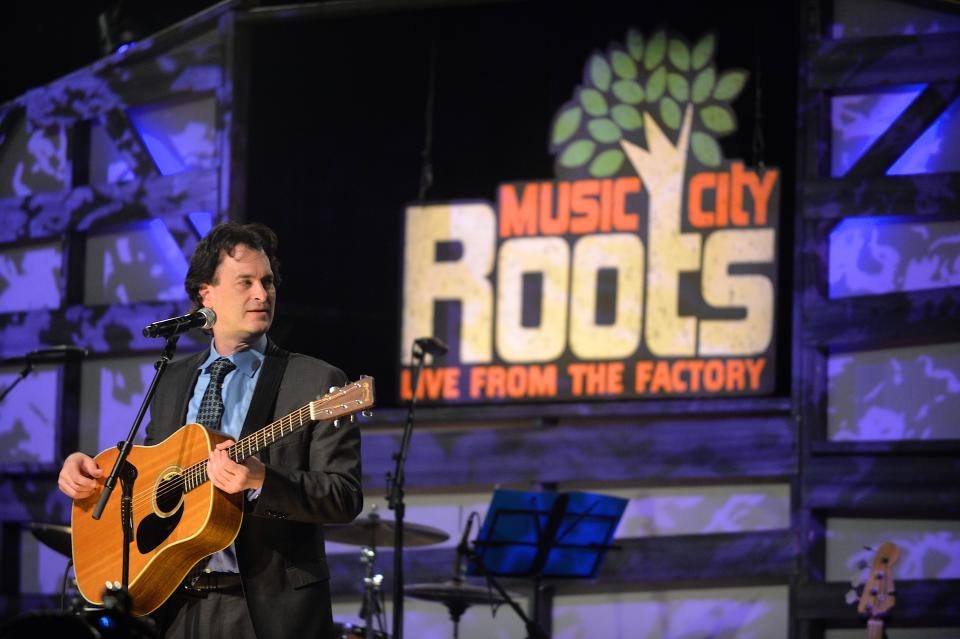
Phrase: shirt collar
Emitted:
{"points": [[248, 361]]}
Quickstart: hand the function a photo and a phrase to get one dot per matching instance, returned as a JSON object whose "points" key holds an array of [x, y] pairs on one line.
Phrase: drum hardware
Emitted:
{"points": [[368, 533], [457, 595], [372, 606], [53, 536], [374, 531]]}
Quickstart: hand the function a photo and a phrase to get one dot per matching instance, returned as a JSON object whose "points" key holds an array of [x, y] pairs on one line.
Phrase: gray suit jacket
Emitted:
{"points": [[312, 478]]}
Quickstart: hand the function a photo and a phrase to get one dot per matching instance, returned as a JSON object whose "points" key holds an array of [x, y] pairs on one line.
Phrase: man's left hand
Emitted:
{"points": [[231, 477]]}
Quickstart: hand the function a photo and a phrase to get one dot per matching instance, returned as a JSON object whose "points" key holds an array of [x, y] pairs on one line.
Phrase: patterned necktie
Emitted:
{"points": [[211, 406]]}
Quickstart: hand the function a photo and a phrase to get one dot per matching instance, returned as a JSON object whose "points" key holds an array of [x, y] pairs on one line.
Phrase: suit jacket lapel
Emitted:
{"points": [[182, 390], [265, 394]]}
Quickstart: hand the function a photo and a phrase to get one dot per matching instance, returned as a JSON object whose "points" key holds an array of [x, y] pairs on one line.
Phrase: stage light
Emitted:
{"points": [[118, 28]]}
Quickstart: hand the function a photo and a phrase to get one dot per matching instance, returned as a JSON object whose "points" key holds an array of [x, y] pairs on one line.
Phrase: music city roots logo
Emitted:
{"points": [[647, 268]]}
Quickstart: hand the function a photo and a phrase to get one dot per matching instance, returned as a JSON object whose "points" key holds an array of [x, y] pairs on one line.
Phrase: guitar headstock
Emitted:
{"points": [[346, 400], [878, 591]]}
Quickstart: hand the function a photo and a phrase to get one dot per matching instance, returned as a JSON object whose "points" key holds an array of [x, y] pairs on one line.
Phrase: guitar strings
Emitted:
{"points": [[195, 476]]}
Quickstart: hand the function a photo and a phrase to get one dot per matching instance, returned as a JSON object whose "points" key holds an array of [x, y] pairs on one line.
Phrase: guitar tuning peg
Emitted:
{"points": [[333, 389], [367, 412], [336, 423], [353, 419], [852, 597]]}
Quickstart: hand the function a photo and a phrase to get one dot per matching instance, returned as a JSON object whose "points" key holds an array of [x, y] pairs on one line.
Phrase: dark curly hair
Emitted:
{"points": [[224, 238]]}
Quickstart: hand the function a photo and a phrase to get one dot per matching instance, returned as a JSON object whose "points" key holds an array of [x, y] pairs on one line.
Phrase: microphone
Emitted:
{"points": [[200, 318], [432, 345], [462, 549], [56, 353]]}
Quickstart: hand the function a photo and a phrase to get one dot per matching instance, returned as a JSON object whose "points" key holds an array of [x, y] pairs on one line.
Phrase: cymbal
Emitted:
{"points": [[374, 531], [53, 536], [454, 593]]}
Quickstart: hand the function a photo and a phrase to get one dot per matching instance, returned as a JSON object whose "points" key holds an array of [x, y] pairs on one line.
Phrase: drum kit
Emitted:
{"points": [[368, 532], [372, 531]]}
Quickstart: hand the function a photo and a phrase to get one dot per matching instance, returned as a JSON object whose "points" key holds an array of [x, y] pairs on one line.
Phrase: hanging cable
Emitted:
{"points": [[426, 161]]}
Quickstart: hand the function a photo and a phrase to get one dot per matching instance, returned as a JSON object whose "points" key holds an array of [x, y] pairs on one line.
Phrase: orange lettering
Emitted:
{"points": [[735, 375], [622, 219], [559, 223], [606, 205], [754, 369], [643, 373], [518, 216], [713, 375], [584, 208]]}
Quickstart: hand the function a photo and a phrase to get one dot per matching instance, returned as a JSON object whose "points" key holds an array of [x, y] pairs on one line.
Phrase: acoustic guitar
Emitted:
{"points": [[179, 517], [877, 597]]}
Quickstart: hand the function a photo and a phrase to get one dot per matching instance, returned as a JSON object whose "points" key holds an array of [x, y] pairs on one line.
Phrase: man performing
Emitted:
{"points": [[273, 581]]}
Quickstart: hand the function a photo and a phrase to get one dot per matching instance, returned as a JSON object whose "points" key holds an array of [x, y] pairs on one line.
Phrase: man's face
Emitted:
{"points": [[243, 296]]}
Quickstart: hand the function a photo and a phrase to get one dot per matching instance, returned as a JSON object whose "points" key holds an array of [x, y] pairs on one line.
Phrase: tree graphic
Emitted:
{"points": [[635, 92], [652, 104]]}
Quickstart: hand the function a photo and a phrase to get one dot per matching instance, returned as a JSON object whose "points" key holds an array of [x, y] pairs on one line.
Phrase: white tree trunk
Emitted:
{"points": [[662, 170]]}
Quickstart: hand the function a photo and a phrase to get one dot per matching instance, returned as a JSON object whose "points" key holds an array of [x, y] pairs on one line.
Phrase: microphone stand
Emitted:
{"points": [[534, 629], [395, 502], [26, 371], [127, 473]]}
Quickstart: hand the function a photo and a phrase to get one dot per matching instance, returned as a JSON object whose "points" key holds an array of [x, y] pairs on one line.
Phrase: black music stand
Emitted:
{"points": [[538, 535]]}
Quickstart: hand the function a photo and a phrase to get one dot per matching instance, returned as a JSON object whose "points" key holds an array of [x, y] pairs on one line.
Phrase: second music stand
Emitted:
{"points": [[538, 535]]}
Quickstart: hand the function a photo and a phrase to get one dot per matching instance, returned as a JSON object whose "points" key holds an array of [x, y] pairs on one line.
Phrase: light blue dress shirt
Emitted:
{"points": [[238, 388]]}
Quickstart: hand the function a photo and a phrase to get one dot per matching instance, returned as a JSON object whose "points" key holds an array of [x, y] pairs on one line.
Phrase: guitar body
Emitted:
{"points": [[173, 527], [178, 516]]}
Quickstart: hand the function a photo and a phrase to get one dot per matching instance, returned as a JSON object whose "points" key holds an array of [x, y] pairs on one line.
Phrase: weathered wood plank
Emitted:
{"points": [[856, 63], [654, 562], [888, 486], [656, 450], [866, 322], [919, 603], [900, 195], [549, 413]]}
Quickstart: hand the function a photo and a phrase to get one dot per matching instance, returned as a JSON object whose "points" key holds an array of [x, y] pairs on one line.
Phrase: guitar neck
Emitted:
{"points": [[255, 442], [350, 399], [875, 629], [196, 475]]}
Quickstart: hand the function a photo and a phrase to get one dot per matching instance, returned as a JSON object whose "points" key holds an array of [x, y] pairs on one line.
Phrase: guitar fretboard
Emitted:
{"points": [[196, 475], [350, 399]]}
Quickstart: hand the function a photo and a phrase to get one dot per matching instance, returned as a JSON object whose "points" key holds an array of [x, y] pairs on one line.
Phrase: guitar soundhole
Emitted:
{"points": [[169, 493]]}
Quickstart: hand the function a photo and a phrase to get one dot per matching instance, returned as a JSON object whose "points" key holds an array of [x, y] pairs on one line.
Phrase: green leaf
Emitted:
{"points": [[593, 102], [705, 148], [703, 85], [607, 163], [730, 85], [703, 51], [678, 86], [577, 154], [603, 130], [635, 44], [670, 112], [656, 83], [566, 125], [718, 119], [656, 49], [626, 117], [623, 65], [679, 54], [599, 72], [628, 91]]}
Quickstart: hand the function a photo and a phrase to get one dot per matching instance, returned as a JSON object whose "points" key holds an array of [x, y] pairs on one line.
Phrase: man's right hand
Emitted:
{"points": [[78, 477]]}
